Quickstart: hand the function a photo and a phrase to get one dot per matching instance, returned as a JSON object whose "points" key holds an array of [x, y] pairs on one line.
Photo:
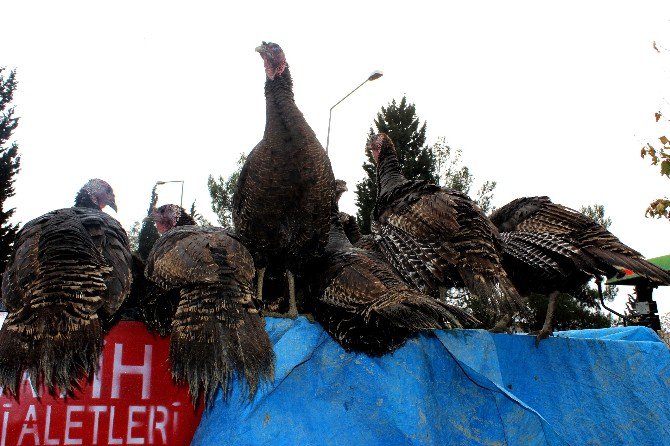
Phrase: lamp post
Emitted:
{"points": [[375, 75], [181, 199]]}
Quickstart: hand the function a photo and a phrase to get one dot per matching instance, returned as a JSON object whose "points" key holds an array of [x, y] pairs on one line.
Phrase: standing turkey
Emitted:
{"points": [[551, 249], [438, 237], [217, 333], [366, 306], [68, 275], [281, 206]]}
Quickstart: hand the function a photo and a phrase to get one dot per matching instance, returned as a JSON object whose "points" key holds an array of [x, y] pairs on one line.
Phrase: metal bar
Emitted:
{"points": [[330, 114]]}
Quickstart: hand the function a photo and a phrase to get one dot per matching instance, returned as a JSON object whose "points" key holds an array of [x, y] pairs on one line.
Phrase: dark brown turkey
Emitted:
{"points": [[68, 275], [551, 249], [437, 237], [281, 207], [217, 333], [366, 306]]}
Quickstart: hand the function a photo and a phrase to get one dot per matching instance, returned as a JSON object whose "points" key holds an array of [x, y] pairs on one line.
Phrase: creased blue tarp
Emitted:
{"points": [[459, 387]]}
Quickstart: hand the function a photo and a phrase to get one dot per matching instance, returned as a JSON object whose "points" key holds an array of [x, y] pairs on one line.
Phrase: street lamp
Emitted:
{"points": [[181, 199], [375, 75]]}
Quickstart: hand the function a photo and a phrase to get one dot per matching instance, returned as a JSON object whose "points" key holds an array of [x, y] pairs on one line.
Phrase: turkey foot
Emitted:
{"points": [[546, 328]]}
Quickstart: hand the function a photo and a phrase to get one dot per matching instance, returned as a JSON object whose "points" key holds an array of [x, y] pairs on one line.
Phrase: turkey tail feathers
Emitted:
{"points": [[55, 349], [638, 265], [215, 338], [56, 334], [495, 291], [420, 312], [380, 326]]}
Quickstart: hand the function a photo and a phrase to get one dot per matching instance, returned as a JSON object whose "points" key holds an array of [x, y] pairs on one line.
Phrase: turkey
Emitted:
{"points": [[366, 306], [281, 206], [551, 249], [349, 224], [437, 237], [217, 332], [69, 272]]}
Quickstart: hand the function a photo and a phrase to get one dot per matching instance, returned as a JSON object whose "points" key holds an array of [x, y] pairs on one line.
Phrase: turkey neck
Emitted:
{"points": [[337, 239], [281, 113], [83, 200], [185, 220], [388, 173]]}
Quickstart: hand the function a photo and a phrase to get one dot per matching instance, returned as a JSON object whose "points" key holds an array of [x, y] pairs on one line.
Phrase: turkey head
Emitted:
{"points": [[273, 59], [340, 188], [96, 194], [380, 146], [168, 216]]}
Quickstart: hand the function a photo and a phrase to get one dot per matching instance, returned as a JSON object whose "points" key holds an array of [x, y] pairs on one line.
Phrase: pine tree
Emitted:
{"points": [[400, 122], [9, 164], [148, 234], [198, 217]]}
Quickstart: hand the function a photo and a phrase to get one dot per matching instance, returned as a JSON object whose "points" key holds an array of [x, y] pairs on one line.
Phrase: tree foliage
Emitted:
{"points": [[148, 234], [438, 163], [198, 217], [134, 235], [221, 191], [596, 212], [451, 173], [9, 164], [659, 156]]}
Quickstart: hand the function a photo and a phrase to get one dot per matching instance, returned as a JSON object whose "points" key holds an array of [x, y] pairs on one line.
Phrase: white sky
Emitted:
{"points": [[546, 99]]}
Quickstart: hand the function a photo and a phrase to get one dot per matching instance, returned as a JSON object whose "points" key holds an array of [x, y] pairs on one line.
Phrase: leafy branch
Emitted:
{"points": [[659, 157]]}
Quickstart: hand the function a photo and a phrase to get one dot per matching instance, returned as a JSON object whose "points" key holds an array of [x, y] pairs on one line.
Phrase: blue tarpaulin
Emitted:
{"points": [[458, 387]]}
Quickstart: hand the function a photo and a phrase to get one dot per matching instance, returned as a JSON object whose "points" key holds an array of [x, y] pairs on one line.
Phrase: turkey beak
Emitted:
{"points": [[261, 50], [112, 204]]}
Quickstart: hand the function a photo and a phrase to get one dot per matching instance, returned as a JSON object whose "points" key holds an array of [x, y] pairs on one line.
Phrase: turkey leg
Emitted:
{"points": [[259, 283], [292, 305], [503, 325], [546, 328]]}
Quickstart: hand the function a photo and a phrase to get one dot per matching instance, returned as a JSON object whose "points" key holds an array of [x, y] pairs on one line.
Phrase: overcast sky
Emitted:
{"points": [[546, 99]]}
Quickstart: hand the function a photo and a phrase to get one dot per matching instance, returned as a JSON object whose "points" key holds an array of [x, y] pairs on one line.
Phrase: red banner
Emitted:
{"points": [[132, 400]]}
